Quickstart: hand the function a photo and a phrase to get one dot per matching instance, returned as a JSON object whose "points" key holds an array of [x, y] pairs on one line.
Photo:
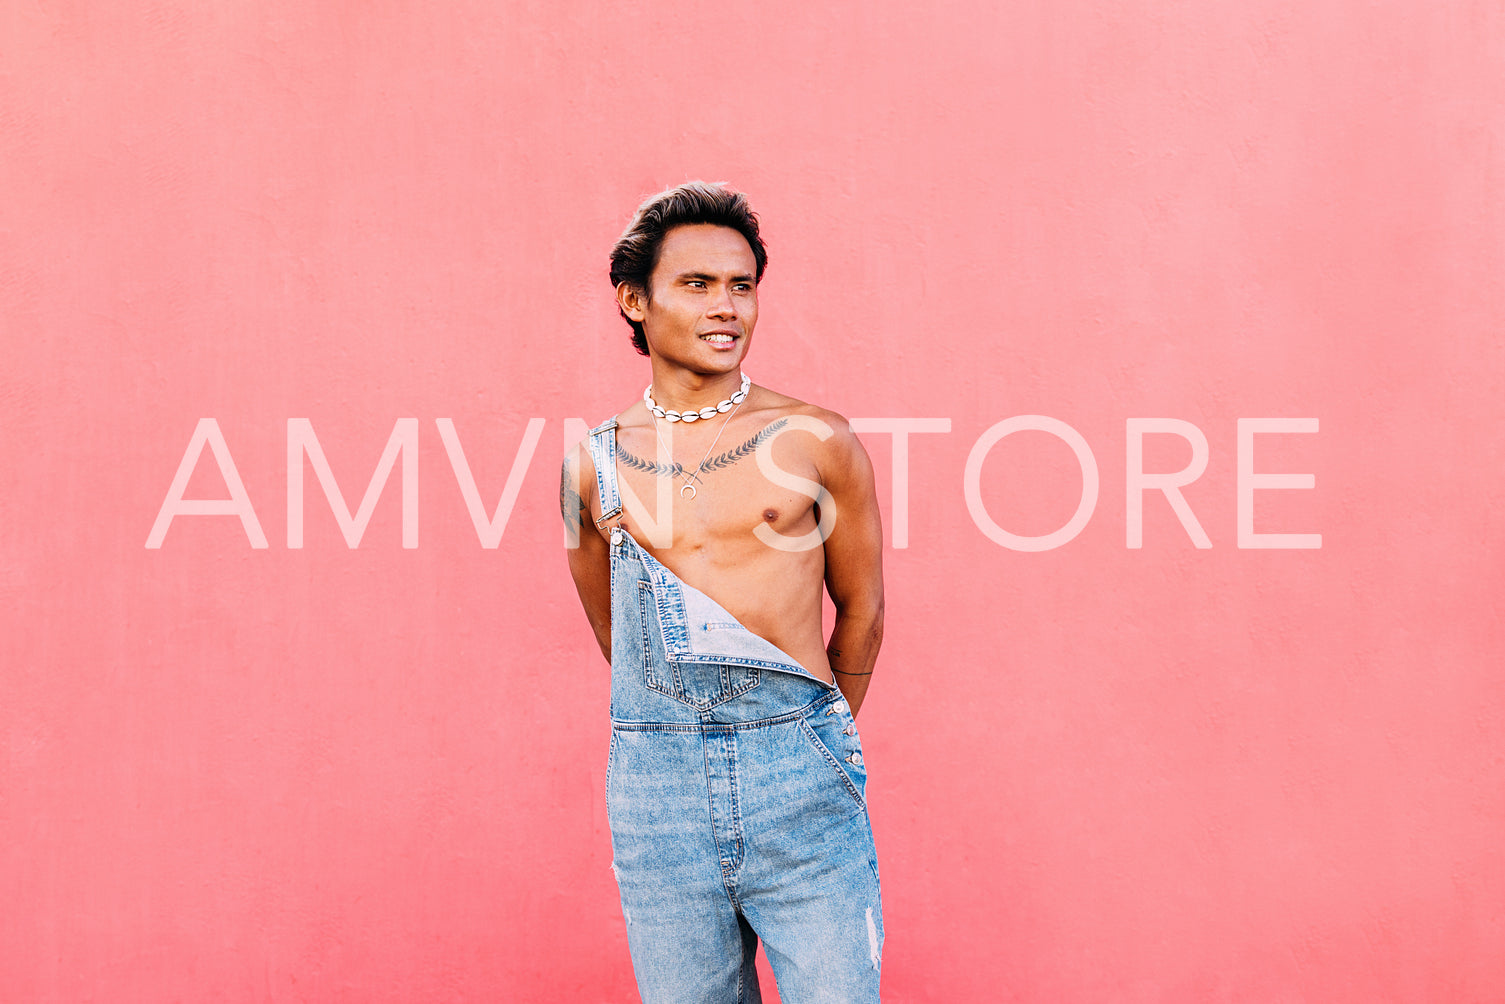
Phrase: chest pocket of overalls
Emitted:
{"points": [[699, 685]]}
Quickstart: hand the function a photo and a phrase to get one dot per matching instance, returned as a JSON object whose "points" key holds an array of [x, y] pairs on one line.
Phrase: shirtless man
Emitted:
{"points": [[708, 517]]}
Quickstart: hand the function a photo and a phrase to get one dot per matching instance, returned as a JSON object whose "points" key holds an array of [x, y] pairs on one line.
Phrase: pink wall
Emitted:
{"points": [[1099, 773]]}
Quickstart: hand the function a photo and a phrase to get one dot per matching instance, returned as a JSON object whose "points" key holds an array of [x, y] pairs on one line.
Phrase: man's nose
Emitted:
{"points": [[721, 305]]}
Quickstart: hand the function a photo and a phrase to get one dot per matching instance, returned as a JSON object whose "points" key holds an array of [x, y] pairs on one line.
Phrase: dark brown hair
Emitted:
{"points": [[636, 252]]}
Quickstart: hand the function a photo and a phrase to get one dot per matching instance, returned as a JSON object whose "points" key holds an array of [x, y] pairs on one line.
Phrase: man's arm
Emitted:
{"points": [[589, 563], [854, 562]]}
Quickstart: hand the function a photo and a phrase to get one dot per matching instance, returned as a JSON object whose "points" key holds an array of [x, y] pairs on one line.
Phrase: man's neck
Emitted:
{"points": [[680, 389]]}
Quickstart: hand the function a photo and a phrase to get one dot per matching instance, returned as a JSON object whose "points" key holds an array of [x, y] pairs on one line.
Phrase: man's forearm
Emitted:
{"points": [[853, 649]]}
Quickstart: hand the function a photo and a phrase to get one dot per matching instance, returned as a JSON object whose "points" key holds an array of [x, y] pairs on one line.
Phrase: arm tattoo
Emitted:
{"points": [[570, 502], [715, 463]]}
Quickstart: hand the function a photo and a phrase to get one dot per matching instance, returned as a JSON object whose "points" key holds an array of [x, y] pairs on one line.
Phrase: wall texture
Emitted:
{"points": [[1099, 772]]}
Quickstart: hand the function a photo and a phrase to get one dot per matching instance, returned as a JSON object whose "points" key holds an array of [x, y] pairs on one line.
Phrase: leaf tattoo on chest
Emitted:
{"points": [[718, 462]]}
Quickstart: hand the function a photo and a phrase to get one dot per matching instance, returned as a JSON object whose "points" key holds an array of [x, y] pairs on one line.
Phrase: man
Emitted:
{"points": [[708, 515]]}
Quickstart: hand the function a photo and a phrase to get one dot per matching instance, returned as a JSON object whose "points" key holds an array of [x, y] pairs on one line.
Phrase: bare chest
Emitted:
{"points": [[687, 498]]}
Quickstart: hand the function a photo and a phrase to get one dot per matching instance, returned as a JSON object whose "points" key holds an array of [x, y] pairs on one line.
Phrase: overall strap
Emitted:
{"points": [[603, 450]]}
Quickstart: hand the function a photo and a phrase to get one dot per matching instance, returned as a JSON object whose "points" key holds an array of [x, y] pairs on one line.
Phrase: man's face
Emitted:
{"points": [[702, 302]]}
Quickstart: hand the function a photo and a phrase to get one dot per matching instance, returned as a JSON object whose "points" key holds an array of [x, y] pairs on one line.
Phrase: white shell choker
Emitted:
{"points": [[710, 411]]}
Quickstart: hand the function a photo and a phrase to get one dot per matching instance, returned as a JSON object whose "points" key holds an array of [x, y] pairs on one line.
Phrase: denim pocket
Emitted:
{"points": [[825, 737], [701, 685]]}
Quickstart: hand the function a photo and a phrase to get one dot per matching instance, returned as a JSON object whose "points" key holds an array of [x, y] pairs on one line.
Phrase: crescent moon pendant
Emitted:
{"points": [[687, 488]]}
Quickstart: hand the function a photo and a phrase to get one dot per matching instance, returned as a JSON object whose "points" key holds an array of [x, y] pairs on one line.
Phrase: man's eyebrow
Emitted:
{"points": [[708, 277]]}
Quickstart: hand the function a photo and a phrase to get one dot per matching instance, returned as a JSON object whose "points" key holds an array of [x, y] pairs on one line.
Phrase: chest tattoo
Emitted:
{"points": [[719, 461]]}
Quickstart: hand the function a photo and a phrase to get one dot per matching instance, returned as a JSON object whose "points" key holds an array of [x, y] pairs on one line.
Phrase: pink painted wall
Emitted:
{"points": [[1099, 773]]}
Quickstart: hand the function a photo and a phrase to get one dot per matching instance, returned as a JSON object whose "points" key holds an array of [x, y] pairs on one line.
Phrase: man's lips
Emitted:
{"points": [[721, 338]]}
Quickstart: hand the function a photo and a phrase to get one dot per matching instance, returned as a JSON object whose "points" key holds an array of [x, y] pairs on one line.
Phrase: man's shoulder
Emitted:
{"points": [[832, 442], [782, 406]]}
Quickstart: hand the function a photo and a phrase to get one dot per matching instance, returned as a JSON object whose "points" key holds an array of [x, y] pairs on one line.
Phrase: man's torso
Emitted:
{"points": [[711, 534]]}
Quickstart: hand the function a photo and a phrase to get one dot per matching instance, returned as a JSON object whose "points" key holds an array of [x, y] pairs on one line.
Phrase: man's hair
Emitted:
{"points": [[636, 252]]}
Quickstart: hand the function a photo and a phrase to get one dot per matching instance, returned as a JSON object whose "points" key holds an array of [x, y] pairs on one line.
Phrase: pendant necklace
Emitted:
{"points": [[693, 476]]}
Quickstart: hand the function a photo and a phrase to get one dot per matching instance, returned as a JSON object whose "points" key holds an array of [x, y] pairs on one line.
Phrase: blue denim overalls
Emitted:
{"points": [[735, 790]]}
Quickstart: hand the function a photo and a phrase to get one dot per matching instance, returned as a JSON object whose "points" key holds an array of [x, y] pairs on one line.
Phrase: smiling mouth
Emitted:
{"points": [[719, 338]]}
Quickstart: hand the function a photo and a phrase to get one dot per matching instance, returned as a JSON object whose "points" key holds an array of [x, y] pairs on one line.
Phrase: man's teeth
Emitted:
{"points": [[717, 338]]}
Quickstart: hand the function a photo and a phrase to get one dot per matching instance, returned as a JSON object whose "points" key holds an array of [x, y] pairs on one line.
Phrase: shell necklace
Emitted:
{"points": [[731, 405], [708, 412]]}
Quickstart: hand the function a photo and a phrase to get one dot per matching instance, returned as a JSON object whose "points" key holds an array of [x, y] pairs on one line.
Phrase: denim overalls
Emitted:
{"points": [[735, 790]]}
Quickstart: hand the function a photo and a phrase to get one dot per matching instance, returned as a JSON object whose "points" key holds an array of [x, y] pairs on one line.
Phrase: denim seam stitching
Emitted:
{"points": [[648, 678], [611, 755], [626, 725], [730, 741], [715, 835], [748, 661]]}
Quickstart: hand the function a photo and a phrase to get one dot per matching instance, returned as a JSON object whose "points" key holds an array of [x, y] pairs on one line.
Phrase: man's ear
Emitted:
{"points": [[632, 300]]}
